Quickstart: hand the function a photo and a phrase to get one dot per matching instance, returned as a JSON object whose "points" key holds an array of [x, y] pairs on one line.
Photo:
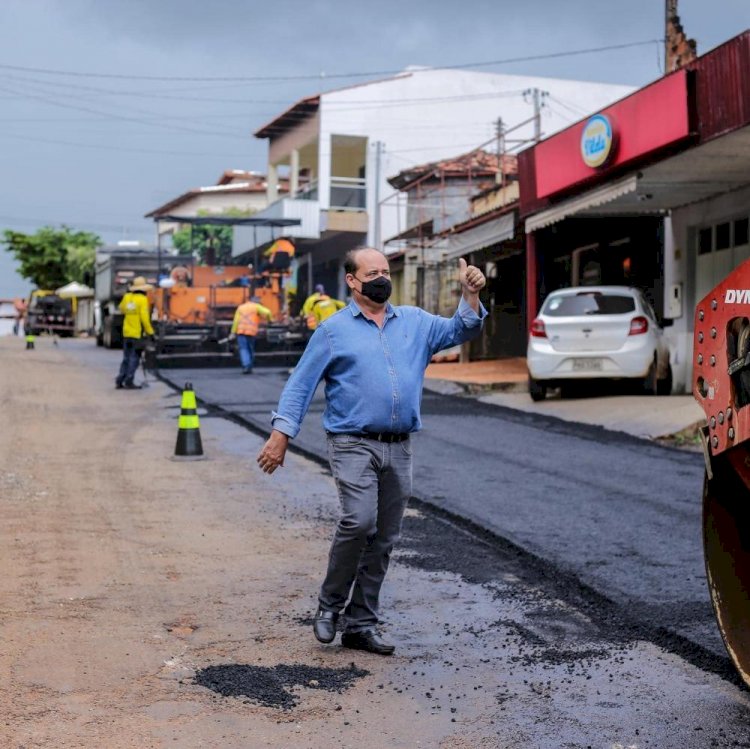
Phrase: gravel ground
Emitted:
{"points": [[148, 603]]}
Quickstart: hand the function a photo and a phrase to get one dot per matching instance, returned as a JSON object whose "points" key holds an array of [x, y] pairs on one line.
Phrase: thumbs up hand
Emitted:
{"points": [[471, 278]]}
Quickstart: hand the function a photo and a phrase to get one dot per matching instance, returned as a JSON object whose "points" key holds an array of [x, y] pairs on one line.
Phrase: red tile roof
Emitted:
{"points": [[477, 163]]}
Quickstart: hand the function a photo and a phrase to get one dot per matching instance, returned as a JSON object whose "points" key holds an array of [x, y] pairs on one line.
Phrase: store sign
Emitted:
{"points": [[597, 141], [634, 127]]}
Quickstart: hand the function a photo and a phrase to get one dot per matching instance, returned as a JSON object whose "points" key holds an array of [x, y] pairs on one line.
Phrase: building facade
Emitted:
{"points": [[337, 150], [653, 192]]}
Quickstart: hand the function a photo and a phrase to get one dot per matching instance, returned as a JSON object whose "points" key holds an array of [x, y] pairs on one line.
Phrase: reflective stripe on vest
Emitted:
{"points": [[249, 319]]}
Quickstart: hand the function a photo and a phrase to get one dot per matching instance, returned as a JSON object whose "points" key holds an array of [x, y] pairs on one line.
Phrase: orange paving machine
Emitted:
{"points": [[193, 316], [195, 306], [721, 385]]}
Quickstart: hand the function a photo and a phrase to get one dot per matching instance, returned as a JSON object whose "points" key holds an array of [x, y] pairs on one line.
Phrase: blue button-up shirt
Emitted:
{"points": [[373, 376]]}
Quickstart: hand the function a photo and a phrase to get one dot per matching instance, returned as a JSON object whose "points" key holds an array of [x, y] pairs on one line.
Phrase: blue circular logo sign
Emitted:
{"points": [[597, 141]]}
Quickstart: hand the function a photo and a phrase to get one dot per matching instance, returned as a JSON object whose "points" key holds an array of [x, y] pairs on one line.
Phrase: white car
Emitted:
{"points": [[597, 332]]}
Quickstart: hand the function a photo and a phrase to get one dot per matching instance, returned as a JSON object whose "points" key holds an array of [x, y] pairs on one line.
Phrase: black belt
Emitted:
{"points": [[385, 436], [381, 436]]}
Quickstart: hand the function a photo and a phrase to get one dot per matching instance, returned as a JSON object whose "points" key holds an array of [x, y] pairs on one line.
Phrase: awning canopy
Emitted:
{"points": [[599, 196], [74, 290], [701, 172], [484, 235]]}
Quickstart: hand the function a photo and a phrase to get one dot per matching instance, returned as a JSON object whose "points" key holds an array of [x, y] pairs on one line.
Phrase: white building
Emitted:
{"points": [[337, 149]]}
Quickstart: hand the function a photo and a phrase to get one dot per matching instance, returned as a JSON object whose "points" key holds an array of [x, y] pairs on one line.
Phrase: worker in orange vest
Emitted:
{"points": [[245, 327], [278, 256]]}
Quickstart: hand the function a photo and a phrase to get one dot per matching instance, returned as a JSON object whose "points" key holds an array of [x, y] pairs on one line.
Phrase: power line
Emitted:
{"points": [[338, 106], [122, 117], [78, 224], [322, 75], [96, 146]]}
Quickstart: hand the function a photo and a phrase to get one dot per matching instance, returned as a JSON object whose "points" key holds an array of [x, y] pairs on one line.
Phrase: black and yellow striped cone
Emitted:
{"points": [[189, 445]]}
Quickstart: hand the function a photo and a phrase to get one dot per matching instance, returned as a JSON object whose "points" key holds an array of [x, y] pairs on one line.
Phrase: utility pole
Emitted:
{"points": [[500, 132], [537, 98], [376, 203]]}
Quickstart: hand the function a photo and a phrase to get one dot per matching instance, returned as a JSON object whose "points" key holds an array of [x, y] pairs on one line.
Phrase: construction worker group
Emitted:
{"points": [[248, 318]]}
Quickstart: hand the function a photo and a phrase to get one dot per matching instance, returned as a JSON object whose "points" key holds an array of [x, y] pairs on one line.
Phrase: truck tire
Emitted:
{"points": [[107, 333]]}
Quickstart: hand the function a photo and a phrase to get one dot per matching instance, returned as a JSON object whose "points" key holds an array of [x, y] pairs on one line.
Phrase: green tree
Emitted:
{"points": [[208, 238], [50, 257]]}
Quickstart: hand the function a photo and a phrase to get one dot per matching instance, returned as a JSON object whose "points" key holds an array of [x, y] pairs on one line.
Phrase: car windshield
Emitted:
{"points": [[588, 303]]}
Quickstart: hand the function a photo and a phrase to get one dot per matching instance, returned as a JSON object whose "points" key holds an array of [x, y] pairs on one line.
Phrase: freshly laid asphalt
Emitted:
{"points": [[613, 517]]}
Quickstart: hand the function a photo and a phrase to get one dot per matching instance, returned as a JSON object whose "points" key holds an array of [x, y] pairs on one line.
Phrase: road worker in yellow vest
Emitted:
{"points": [[135, 327], [247, 320], [319, 306]]}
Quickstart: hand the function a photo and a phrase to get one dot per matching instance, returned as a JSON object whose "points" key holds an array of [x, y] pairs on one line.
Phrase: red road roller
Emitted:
{"points": [[721, 385]]}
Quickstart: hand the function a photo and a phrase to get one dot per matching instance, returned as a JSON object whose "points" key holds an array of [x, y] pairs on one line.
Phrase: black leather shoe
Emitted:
{"points": [[132, 386], [368, 640], [324, 625]]}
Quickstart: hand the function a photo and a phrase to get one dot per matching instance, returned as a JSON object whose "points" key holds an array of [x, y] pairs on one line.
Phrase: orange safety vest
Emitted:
{"points": [[249, 319], [280, 245]]}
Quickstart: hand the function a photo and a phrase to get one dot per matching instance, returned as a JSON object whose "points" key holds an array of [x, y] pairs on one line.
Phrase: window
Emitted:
{"points": [[594, 303], [704, 241], [723, 241], [741, 232]]}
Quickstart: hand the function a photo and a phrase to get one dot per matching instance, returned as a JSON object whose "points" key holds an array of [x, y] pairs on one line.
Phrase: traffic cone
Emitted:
{"points": [[189, 445]]}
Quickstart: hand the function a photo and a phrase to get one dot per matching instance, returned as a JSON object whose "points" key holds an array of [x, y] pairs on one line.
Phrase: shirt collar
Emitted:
{"points": [[390, 310]]}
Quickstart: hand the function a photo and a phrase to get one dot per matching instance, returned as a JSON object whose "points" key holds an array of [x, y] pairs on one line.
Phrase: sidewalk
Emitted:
{"points": [[502, 382], [505, 375]]}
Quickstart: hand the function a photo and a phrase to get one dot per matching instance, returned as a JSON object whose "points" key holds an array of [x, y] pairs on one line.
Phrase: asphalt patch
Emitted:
{"points": [[271, 686], [437, 540]]}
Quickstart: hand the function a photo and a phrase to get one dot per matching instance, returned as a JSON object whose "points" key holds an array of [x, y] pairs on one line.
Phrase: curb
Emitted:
{"points": [[451, 387]]}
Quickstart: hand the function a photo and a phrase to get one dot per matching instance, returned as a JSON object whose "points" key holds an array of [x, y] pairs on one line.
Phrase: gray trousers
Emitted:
{"points": [[374, 481]]}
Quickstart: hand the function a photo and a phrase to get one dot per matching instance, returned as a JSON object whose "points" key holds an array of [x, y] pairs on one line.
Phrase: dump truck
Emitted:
{"points": [[721, 386], [46, 312], [116, 267]]}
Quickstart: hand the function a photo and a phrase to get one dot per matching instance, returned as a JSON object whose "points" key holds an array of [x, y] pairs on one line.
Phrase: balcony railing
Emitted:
{"points": [[348, 194], [308, 191]]}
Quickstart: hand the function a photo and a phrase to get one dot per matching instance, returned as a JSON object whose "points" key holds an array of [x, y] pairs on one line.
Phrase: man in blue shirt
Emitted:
{"points": [[372, 357]]}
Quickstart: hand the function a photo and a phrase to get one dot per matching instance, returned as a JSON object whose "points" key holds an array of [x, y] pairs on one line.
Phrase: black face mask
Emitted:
{"points": [[379, 289]]}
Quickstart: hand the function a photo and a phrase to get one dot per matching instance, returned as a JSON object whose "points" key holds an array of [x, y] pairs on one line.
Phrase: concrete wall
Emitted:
{"points": [[680, 263]]}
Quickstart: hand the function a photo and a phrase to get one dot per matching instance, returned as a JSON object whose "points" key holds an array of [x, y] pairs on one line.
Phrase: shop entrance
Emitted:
{"points": [[603, 251]]}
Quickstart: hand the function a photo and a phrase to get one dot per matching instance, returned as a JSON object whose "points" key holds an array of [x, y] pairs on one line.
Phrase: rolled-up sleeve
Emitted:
{"points": [[301, 385], [465, 324]]}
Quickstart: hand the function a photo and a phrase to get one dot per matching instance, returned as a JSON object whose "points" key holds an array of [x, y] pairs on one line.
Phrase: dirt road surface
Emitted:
{"points": [[150, 603]]}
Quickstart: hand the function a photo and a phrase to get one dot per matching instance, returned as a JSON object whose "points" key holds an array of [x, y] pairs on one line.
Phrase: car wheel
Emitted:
{"points": [[650, 381], [664, 387], [537, 390]]}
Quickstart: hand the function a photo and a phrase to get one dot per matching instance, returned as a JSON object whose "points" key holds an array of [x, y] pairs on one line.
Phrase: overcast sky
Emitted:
{"points": [[99, 152]]}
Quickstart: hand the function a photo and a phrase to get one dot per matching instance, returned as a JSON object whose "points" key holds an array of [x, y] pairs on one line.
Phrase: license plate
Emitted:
{"points": [[588, 365]]}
